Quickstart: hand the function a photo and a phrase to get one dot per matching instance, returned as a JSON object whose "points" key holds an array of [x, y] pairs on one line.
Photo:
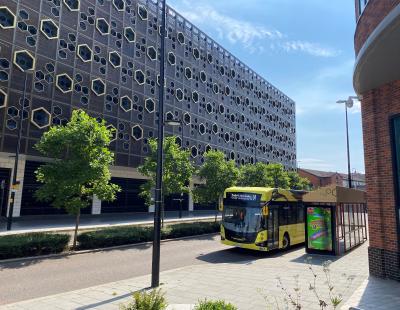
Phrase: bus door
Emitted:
{"points": [[273, 227]]}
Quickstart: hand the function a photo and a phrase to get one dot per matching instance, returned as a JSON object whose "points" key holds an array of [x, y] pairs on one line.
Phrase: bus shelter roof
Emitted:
{"points": [[335, 194]]}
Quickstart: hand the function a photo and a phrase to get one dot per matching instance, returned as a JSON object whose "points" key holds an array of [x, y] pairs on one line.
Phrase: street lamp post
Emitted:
{"points": [[155, 271], [348, 105], [17, 150]]}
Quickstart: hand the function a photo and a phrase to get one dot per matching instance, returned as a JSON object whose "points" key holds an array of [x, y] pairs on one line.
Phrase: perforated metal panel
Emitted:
{"points": [[102, 56]]}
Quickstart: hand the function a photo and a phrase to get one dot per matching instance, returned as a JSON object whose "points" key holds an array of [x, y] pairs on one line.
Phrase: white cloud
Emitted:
{"points": [[315, 163], [309, 48], [251, 36]]}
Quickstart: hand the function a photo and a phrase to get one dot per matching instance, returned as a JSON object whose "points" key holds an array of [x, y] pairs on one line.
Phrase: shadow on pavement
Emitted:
{"points": [[315, 259], [241, 256]]}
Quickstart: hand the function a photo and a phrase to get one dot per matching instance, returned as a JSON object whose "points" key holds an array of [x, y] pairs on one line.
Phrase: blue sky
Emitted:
{"points": [[305, 48]]}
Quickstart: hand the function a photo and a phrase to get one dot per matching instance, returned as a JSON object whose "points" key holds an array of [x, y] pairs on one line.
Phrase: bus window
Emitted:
{"points": [[300, 213], [292, 214], [283, 215]]}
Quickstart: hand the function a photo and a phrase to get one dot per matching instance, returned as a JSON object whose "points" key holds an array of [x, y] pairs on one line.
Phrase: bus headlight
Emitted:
{"points": [[262, 236]]}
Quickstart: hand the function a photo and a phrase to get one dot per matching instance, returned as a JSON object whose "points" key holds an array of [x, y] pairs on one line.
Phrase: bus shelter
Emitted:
{"points": [[336, 220]]}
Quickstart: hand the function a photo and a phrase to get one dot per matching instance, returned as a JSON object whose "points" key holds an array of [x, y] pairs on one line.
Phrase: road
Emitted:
{"points": [[36, 278]]}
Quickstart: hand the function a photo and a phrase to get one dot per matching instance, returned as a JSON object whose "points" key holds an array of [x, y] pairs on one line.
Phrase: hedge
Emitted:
{"points": [[32, 244], [108, 237]]}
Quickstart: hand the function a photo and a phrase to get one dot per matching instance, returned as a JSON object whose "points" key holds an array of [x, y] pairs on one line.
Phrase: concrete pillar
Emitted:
{"points": [[7, 161], [96, 205], [191, 204], [152, 207]]}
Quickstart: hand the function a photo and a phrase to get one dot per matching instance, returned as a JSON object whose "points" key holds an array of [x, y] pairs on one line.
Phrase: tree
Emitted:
{"points": [[280, 178], [80, 166], [255, 175], [297, 182], [218, 174], [177, 169]]}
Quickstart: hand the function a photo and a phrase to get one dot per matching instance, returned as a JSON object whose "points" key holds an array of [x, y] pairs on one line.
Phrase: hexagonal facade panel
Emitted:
{"points": [[188, 73], [102, 26], [150, 105], [72, 5], [194, 151], [7, 18], [84, 52], [49, 29], [137, 132], [129, 34], [179, 94], [181, 38], [41, 118], [171, 58], [139, 77], [142, 12], [119, 5], [187, 118], [126, 103], [98, 87], [115, 59], [3, 99], [24, 60], [152, 53], [114, 132], [195, 97], [64, 83]]}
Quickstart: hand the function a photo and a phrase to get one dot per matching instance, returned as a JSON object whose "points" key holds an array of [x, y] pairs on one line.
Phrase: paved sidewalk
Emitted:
{"points": [[244, 283], [375, 294], [67, 223]]}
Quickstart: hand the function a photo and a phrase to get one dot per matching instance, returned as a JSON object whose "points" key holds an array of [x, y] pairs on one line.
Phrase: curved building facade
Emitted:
{"points": [[377, 81], [102, 56]]}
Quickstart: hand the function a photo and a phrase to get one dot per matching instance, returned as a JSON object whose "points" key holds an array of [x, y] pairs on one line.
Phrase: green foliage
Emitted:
{"points": [[278, 174], [297, 182], [153, 300], [190, 229], [32, 244], [255, 175], [108, 237], [218, 174], [80, 168], [214, 305], [177, 169], [271, 175]]}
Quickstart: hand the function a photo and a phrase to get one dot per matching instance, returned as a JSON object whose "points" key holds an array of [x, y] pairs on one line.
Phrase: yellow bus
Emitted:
{"points": [[262, 219]]}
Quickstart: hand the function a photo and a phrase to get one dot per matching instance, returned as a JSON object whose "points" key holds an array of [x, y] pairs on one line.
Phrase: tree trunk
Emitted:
{"points": [[216, 210], [78, 215]]}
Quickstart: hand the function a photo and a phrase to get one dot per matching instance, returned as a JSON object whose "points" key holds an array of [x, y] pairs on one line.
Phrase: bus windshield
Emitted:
{"points": [[242, 219]]}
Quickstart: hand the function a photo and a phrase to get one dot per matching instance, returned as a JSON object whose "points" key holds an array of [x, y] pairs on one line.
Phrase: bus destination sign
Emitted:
{"points": [[243, 197]]}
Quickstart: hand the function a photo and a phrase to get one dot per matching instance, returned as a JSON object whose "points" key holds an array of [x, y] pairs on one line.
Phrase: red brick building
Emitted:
{"points": [[319, 178], [377, 82]]}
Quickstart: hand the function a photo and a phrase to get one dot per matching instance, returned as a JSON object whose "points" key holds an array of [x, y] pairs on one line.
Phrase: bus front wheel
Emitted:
{"points": [[285, 241]]}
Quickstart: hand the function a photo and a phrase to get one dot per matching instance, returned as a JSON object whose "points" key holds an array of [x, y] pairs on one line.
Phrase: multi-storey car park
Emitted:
{"points": [[102, 56]]}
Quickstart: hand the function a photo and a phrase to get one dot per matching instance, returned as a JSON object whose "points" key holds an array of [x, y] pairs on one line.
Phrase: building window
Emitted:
{"points": [[361, 6], [395, 133]]}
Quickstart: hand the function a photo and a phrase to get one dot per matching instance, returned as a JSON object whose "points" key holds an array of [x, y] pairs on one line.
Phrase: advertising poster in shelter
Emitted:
{"points": [[319, 226]]}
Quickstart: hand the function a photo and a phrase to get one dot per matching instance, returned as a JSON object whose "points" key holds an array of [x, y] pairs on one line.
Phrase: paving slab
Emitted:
{"points": [[248, 284]]}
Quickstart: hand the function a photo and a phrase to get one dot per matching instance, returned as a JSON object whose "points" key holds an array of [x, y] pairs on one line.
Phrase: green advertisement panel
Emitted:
{"points": [[319, 228]]}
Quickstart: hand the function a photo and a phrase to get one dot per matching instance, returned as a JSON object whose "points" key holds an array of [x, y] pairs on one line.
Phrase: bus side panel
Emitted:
{"points": [[295, 232]]}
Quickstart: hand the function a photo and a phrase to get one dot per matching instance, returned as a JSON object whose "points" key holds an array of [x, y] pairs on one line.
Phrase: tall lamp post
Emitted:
{"points": [[155, 271], [349, 103]]}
